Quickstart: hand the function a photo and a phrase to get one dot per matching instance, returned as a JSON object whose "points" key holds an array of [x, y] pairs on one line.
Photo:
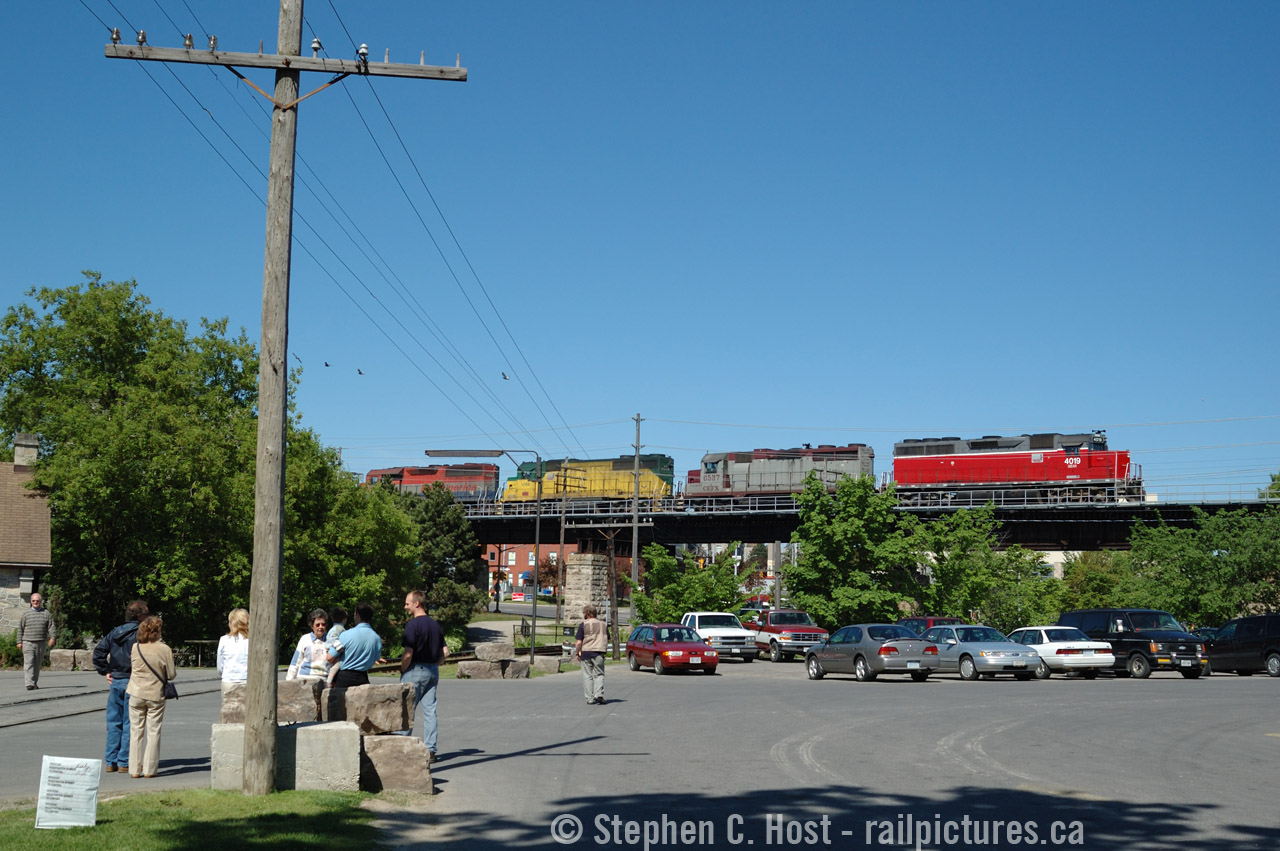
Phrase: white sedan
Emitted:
{"points": [[1064, 649]]}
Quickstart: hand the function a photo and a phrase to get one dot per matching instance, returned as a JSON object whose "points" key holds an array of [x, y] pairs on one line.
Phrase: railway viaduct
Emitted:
{"points": [[1048, 529]]}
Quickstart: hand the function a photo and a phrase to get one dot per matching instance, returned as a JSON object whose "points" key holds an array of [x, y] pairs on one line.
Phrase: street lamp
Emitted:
{"points": [[537, 517]]}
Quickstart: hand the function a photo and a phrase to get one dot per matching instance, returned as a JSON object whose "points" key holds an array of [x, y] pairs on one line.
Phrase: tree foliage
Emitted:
{"points": [[148, 435], [679, 584], [860, 562]]}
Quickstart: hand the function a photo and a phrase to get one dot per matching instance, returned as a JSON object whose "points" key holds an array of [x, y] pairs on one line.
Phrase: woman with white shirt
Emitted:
{"points": [[233, 650], [309, 660]]}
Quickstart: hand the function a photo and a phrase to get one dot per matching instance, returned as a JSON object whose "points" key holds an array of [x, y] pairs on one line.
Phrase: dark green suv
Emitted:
{"points": [[1143, 640]]}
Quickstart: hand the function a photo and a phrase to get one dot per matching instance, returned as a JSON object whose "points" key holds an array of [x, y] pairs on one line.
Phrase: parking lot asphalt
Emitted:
{"points": [[759, 753]]}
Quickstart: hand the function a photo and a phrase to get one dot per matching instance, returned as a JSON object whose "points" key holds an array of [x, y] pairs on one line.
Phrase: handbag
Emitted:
{"points": [[170, 690]]}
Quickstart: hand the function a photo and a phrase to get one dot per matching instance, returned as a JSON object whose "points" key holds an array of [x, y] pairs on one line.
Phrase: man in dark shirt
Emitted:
{"points": [[424, 650], [112, 659]]}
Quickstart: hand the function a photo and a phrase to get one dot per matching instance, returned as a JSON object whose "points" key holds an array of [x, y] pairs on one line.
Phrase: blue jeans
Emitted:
{"points": [[425, 678], [117, 752]]}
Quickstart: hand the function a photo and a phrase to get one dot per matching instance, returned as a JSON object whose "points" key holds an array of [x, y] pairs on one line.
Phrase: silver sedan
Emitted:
{"points": [[867, 650], [974, 651]]}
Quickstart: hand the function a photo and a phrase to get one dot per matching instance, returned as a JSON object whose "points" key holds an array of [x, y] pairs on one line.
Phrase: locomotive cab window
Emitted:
{"points": [[710, 467]]}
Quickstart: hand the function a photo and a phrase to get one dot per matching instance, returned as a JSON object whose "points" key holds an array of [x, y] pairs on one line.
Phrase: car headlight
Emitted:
{"points": [[990, 654], [673, 653], [786, 636], [711, 653]]}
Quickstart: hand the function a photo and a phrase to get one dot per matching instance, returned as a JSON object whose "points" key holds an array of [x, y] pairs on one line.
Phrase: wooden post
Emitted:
{"points": [[273, 368]]}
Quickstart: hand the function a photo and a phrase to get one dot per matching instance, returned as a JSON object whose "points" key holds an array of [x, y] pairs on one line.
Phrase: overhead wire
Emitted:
{"points": [[306, 223], [515, 343], [305, 248]]}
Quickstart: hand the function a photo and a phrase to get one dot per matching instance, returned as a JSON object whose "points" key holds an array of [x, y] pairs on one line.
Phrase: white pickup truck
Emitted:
{"points": [[724, 632]]}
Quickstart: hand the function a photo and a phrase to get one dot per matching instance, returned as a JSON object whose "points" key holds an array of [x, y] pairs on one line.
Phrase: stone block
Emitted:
{"points": [[495, 651], [400, 763], [328, 757], [226, 747], [298, 701], [83, 660], [478, 670], [515, 669], [232, 705], [373, 709], [549, 664], [62, 660]]}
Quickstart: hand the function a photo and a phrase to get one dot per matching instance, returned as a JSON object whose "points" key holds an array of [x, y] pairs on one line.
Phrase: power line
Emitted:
{"points": [[515, 343]]}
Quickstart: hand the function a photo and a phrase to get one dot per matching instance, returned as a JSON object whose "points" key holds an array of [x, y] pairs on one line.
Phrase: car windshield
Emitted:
{"points": [[719, 620], [1065, 635], [887, 633], [677, 633], [979, 633], [1153, 620], [792, 619]]}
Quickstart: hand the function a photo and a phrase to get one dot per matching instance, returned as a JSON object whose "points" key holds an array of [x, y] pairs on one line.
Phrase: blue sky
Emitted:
{"points": [[755, 224]]}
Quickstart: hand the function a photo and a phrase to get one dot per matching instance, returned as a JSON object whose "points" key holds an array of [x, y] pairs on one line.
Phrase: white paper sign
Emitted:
{"points": [[68, 792]]}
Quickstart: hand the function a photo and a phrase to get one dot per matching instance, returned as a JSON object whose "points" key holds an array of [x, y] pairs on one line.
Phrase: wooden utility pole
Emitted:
{"points": [[635, 528], [268, 520]]}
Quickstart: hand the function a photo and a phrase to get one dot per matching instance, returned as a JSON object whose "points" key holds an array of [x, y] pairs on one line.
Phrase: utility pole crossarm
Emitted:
{"points": [[285, 63]]}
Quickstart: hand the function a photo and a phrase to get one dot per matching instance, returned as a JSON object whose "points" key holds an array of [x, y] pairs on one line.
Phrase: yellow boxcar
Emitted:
{"points": [[602, 478]]}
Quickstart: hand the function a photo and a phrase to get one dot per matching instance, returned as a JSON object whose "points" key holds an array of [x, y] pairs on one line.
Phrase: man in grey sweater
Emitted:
{"points": [[35, 636]]}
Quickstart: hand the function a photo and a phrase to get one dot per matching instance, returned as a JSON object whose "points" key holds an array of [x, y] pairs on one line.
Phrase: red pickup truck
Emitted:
{"points": [[785, 633]]}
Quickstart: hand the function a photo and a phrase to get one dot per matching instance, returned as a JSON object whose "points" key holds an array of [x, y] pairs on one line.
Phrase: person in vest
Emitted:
{"points": [[35, 631], [589, 649]]}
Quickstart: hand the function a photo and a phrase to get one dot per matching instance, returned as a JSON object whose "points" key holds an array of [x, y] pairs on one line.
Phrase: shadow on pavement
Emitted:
{"points": [[857, 818]]}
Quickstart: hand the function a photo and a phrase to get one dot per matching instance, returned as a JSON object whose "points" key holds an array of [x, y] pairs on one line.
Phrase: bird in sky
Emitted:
{"points": [[326, 363], [359, 371], [505, 377]]}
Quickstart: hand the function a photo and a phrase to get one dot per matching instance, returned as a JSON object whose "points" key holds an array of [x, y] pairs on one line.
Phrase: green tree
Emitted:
{"points": [[148, 436], [1227, 563], [679, 585], [447, 547], [1094, 580], [849, 569], [1271, 491]]}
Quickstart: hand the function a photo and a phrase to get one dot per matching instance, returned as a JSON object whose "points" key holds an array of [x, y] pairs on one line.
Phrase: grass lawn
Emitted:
{"points": [[203, 818]]}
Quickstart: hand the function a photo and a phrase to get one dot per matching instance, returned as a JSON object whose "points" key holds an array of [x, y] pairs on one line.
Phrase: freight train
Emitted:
{"points": [[603, 478], [763, 472], [1028, 469], [468, 482]]}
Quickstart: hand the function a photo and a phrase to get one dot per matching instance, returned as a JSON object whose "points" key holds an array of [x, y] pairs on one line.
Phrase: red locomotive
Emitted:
{"points": [[469, 482], [1030, 469]]}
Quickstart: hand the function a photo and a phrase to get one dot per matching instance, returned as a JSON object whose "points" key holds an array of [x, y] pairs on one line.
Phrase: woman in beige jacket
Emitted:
{"points": [[152, 666]]}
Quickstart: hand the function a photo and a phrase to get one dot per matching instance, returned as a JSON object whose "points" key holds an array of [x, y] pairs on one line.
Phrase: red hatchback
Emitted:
{"points": [[669, 646]]}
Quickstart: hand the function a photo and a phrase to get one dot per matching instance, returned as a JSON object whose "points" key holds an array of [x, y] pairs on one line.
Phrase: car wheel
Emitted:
{"points": [[750, 657], [775, 652], [968, 670], [658, 667], [1244, 673], [632, 662], [1023, 676], [919, 676], [1207, 670], [1190, 675], [813, 668], [710, 672], [1139, 667], [1273, 665], [862, 671], [1089, 673], [1042, 671]]}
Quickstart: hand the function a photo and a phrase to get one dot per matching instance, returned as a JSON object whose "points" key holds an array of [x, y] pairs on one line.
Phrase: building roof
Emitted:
{"points": [[24, 521]]}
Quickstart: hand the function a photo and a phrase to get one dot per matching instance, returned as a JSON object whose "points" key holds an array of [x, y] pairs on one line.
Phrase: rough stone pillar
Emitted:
{"points": [[586, 580]]}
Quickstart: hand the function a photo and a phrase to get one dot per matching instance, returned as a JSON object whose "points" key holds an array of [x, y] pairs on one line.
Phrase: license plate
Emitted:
{"points": [[913, 664], [1185, 663], [1019, 664], [695, 660]]}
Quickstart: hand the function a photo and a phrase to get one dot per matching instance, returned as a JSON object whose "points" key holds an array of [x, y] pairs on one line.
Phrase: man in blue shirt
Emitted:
{"points": [[358, 649]]}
